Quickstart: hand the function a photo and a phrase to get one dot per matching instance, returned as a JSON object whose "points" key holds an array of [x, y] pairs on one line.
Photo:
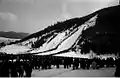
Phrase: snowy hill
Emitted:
{"points": [[64, 40], [71, 34], [51, 41], [67, 28], [5, 41], [14, 49]]}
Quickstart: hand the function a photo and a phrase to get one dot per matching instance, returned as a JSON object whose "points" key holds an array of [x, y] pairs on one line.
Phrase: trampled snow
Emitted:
{"points": [[61, 72]]}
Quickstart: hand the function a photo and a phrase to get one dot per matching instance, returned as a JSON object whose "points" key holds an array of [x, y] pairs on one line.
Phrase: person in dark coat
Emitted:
{"points": [[19, 68], [117, 72], [4, 69], [14, 70], [88, 62], [82, 64], [75, 63], [94, 65], [28, 69]]}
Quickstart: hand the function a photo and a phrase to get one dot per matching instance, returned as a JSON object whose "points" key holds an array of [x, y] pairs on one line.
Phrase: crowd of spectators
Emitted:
{"points": [[23, 65]]}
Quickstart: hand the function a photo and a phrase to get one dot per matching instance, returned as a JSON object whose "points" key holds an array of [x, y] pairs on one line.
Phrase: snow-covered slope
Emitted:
{"points": [[7, 40], [73, 54], [66, 35], [61, 41], [14, 49], [64, 41]]}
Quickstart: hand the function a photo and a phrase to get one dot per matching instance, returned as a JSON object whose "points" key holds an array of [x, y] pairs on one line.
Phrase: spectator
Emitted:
{"points": [[94, 64], [117, 72]]}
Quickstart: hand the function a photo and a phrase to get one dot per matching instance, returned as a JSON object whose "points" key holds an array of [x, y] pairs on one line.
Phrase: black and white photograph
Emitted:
{"points": [[59, 38]]}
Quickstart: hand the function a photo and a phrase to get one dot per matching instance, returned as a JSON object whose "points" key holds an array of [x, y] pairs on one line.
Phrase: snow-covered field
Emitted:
{"points": [[14, 49], [7, 40], [103, 72], [73, 54]]}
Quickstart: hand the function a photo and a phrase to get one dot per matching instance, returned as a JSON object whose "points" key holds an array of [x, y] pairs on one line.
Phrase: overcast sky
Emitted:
{"points": [[33, 15]]}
